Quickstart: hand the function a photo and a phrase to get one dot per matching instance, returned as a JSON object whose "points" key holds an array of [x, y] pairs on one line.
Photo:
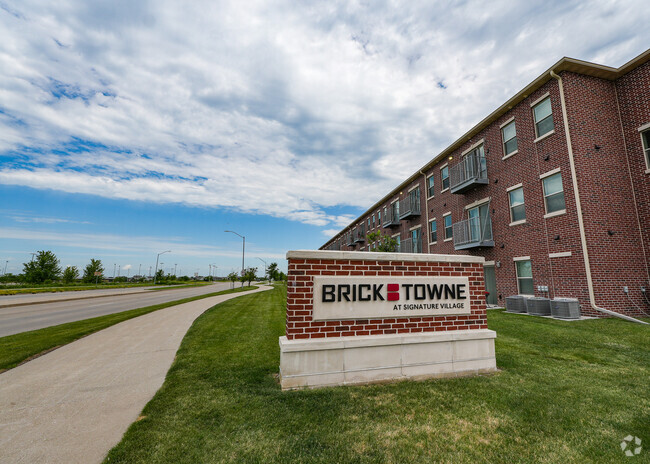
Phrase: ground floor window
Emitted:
{"points": [[525, 277]]}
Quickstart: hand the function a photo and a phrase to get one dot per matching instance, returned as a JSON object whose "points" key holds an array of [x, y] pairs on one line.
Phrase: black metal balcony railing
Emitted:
{"points": [[409, 206], [360, 235], [473, 232], [471, 171], [390, 219], [410, 246], [349, 240]]}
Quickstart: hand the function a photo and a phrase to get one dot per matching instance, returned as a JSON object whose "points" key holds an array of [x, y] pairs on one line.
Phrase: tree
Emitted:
{"points": [[160, 275], [273, 271], [232, 277], [95, 265], [249, 275], [383, 243], [45, 266], [71, 273]]}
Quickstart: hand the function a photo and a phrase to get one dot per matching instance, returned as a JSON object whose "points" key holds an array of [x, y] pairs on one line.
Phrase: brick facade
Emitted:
{"points": [[299, 323], [604, 109]]}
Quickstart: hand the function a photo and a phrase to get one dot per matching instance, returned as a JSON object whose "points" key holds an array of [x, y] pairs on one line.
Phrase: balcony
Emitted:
{"points": [[410, 246], [349, 241], [473, 233], [470, 172], [390, 219], [409, 207], [360, 235]]}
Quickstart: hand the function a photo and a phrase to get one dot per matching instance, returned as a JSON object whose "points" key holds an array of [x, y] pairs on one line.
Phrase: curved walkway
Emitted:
{"points": [[74, 404]]}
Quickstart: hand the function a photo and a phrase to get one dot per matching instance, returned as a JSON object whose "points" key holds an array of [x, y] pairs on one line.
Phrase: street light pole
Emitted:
{"points": [[5, 272], [243, 248], [157, 257]]}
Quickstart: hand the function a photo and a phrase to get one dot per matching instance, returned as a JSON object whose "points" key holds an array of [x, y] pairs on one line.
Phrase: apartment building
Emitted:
{"points": [[552, 189]]}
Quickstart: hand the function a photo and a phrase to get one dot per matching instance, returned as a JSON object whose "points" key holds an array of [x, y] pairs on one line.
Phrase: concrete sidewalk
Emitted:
{"points": [[74, 404]]}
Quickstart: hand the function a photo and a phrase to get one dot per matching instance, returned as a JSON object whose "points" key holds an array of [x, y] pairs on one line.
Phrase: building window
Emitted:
{"points": [[509, 134], [543, 117], [398, 242], [395, 210], [449, 233], [368, 224], [645, 137], [433, 231], [553, 193], [430, 185], [517, 208], [525, 277], [379, 217], [373, 220], [444, 175]]}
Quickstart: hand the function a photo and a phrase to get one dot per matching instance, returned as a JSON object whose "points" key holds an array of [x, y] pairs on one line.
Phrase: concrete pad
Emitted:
{"points": [[74, 404]]}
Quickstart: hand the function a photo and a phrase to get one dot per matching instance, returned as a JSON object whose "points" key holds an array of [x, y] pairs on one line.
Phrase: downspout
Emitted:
{"points": [[583, 237], [426, 212]]}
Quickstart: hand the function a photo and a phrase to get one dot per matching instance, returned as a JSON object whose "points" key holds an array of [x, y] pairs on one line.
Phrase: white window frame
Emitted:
{"points": [[512, 189], [444, 216], [533, 105], [646, 150], [429, 231], [519, 259], [560, 211], [442, 179], [503, 140], [428, 187]]}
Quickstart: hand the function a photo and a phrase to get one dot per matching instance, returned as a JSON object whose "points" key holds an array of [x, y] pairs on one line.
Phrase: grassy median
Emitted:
{"points": [[18, 348], [566, 392]]}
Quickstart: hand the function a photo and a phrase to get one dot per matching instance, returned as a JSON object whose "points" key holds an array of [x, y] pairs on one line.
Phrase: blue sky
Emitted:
{"points": [[129, 128]]}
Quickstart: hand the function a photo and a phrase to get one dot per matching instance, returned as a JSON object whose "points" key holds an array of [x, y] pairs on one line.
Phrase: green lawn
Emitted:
{"points": [[16, 349], [566, 392]]}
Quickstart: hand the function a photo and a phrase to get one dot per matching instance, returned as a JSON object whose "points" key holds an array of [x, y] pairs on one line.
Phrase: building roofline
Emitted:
{"points": [[565, 64]]}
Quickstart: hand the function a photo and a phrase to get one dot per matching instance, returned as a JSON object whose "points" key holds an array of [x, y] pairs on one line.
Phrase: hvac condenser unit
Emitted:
{"points": [[538, 306], [565, 308], [516, 304]]}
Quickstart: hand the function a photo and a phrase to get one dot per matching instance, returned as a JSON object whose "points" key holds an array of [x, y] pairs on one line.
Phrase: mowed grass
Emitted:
{"points": [[566, 392], [18, 348]]}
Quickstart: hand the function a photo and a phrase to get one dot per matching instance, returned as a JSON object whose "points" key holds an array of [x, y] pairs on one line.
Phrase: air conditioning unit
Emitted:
{"points": [[516, 304], [538, 306], [565, 308]]}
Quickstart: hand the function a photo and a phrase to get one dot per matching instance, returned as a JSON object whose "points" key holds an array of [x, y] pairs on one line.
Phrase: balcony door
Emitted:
{"points": [[415, 240], [480, 226]]}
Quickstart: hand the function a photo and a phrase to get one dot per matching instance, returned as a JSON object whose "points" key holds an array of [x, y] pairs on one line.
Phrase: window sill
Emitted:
{"points": [[441, 191], [647, 171], [542, 137], [432, 243], [516, 223], [555, 213], [510, 154], [430, 198], [448, 239]]}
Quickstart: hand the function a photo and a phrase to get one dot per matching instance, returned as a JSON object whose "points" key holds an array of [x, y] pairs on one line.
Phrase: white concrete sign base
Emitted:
{"points": [[378, 358]]}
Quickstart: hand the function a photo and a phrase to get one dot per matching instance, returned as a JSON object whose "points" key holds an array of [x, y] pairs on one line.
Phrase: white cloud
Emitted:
{"points": [[284, 109]]}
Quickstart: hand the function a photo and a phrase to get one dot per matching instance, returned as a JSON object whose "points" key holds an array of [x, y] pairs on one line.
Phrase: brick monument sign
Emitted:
{"points": [[360, 317]]}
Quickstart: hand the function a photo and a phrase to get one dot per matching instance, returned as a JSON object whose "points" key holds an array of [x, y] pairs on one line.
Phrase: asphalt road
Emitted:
{"points": [[31, 317]]}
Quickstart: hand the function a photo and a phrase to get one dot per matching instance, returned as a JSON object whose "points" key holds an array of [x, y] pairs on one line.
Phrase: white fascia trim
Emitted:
{"points": [[372, 256], [478, 203], [547, 94], [521, 258], [550, 173], [563, 254], [542, 137], [514, 187], [507, 122], [644, 127], [510, 154], [555, 213], [477, 144]]}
